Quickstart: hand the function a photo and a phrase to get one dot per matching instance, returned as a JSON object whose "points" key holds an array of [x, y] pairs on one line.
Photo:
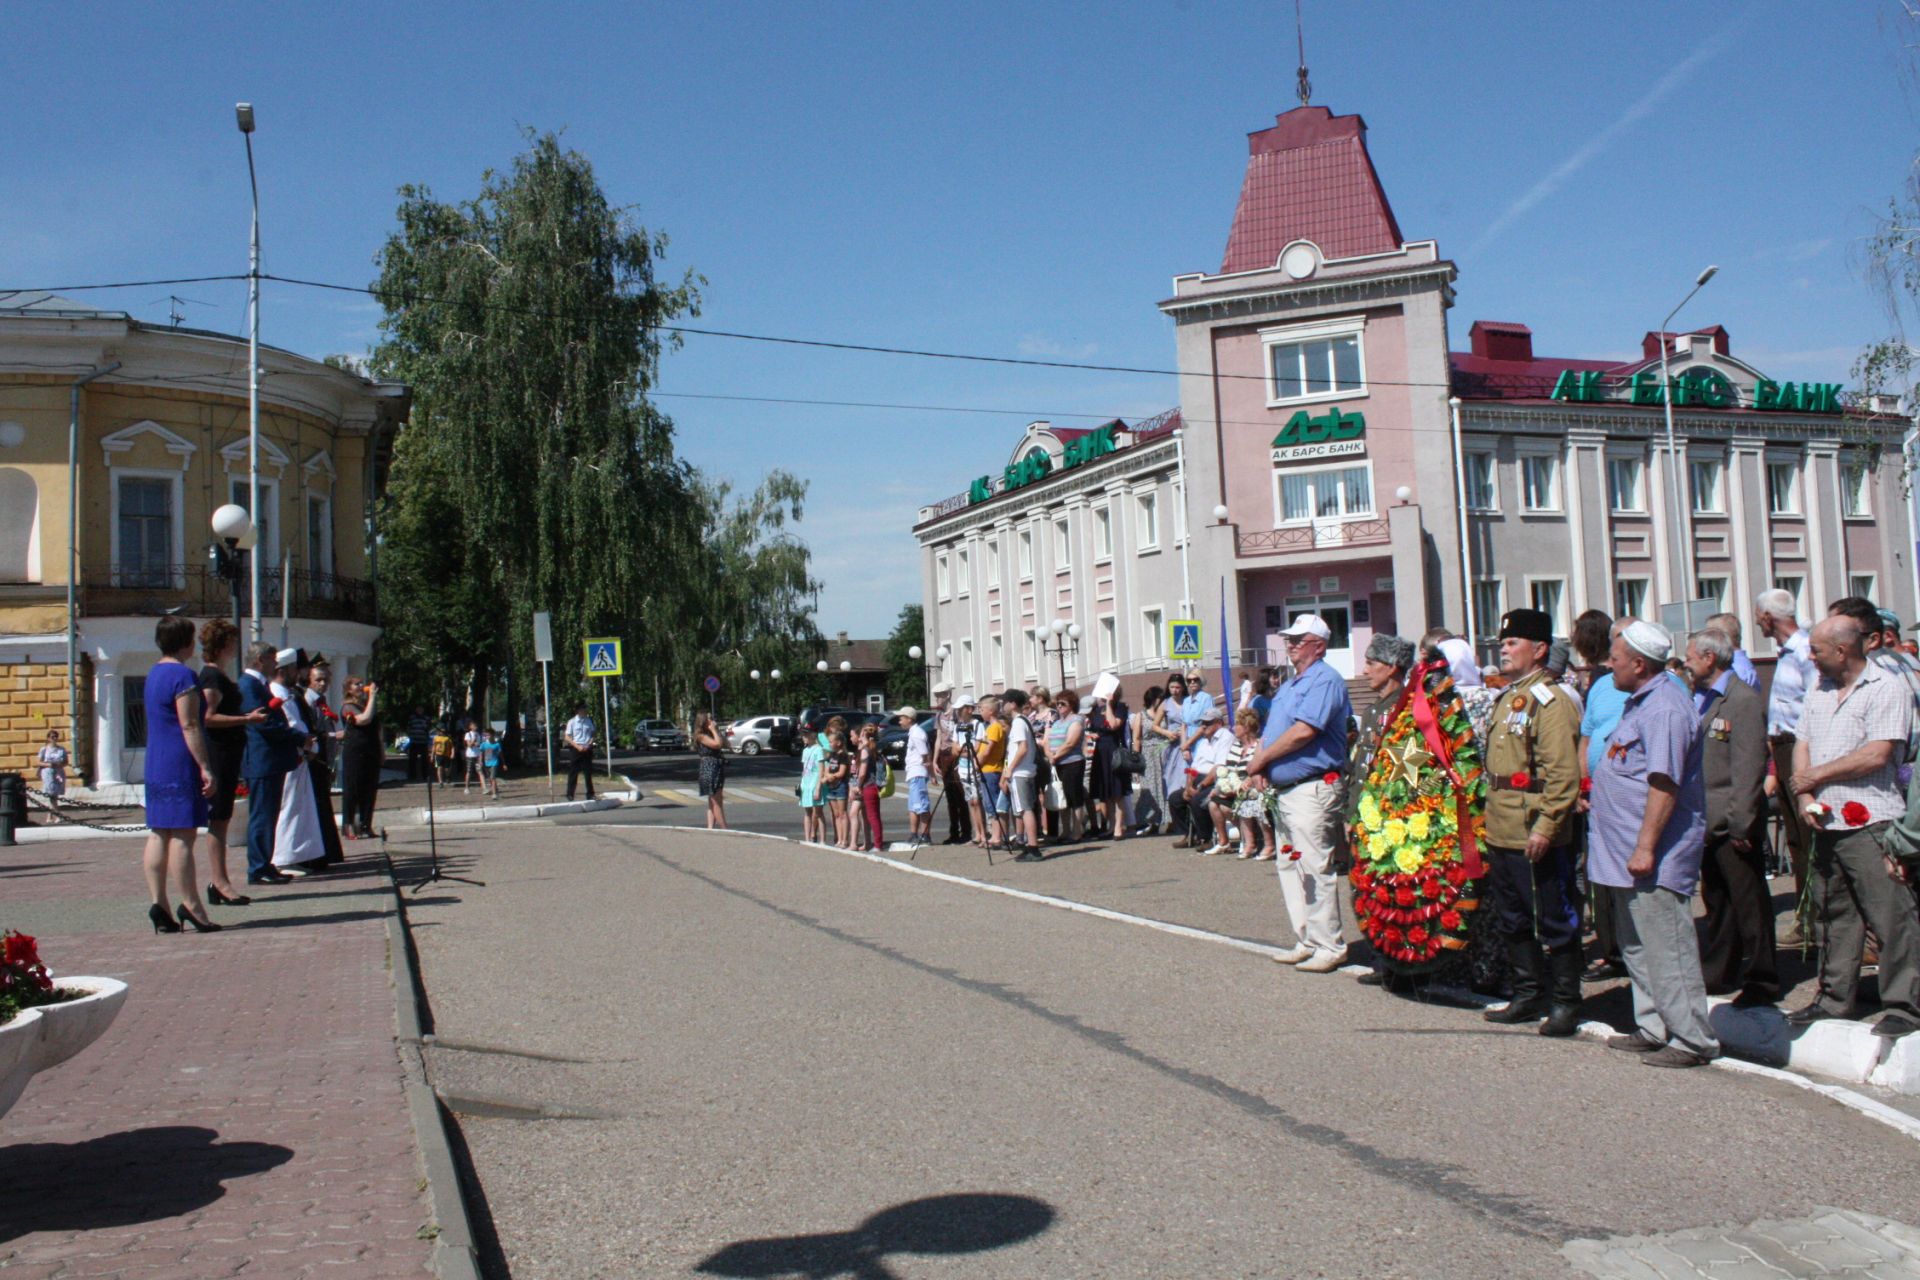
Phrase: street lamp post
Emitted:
{"points": [[1682, 548], [1066, 640], [232, 525], [243, 116], [916, 653]]}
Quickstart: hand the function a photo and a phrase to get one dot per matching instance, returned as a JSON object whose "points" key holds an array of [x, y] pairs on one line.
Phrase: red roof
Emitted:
{"points": [[1309, 178]]}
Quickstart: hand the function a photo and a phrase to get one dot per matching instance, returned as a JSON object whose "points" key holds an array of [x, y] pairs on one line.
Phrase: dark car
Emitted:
{"points": [[893, 740], [659, 735], [814, 719]]}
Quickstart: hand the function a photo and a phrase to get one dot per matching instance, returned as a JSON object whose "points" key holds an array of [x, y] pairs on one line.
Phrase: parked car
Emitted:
{"points": [[814, 719], [659, 735], [755, 734], [893, 740]]}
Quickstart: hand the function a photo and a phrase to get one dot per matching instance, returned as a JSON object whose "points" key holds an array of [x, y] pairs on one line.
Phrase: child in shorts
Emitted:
{"points": [[812, 760]]}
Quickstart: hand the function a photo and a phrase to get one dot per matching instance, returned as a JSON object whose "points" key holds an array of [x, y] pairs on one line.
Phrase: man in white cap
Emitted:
{"points": [[1302, 754], [1647, 834]]}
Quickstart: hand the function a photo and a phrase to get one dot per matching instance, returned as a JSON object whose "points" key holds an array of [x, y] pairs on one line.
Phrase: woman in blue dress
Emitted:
{"points": [[179, 778]]}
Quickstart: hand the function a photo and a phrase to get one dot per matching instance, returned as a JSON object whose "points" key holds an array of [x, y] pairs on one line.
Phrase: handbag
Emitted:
{"points": [[1127, 760], [1056, 795]]}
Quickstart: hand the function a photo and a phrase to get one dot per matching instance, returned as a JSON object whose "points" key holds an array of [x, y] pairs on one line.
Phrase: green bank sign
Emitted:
{"points": [[1038, 464], [1702, 388], [1332, 434]]}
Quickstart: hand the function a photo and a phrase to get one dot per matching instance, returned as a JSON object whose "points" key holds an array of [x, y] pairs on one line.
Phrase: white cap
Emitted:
{"points": [[945, 686], [906, 713], [287, 658], [1308, 624], [1648, 639], [965, 700]]}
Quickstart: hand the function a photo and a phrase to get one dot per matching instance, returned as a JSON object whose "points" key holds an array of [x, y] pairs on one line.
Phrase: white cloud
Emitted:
{"points": [[1585, 155]]}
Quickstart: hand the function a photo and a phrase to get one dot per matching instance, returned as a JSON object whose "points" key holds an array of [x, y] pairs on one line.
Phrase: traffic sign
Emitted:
{"points": [[543, 637], [603, 657], [1183, 639], [712, 684]]}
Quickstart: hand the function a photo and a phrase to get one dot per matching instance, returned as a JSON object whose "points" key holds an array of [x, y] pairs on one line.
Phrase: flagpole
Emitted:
{"points": [[1226, 669]]}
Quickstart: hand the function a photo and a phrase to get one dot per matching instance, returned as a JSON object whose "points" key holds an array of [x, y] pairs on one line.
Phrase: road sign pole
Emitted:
{"points": [[546, 718], [606, 721]]}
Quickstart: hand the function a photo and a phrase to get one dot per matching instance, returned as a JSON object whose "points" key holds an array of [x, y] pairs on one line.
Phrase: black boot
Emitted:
{"points": [[1529, 1002], [1563, 1019]]}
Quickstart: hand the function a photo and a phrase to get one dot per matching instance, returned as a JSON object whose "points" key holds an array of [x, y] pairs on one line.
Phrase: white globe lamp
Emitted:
{"points": [[231, 523]]}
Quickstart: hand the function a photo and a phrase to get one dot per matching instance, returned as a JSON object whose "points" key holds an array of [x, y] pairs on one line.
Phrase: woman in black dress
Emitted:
{"points": [[708, 744], [361, 756], [226, 734], [1108, 785]]}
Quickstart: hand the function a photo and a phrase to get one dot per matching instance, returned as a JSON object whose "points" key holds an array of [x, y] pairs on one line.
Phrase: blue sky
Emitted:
{"points": [[1001, 178]]}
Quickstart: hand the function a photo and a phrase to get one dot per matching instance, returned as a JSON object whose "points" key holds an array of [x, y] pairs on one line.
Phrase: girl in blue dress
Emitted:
{"points": [[179, 778]]}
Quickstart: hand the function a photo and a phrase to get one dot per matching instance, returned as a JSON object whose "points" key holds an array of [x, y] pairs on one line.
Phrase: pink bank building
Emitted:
{"points": [[1332, 453]]}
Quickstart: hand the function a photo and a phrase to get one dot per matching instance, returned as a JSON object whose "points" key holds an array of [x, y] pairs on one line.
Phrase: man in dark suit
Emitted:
{"points": [[273, 749], [1738, 954]]}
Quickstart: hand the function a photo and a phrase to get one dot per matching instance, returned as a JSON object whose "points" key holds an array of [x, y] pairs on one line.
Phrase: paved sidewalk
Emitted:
{"points": [[245, 1114]]}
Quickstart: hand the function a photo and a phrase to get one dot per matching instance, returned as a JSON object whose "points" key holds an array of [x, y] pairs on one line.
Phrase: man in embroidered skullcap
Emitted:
{"points": [[1646, 839], [1533, 775]]}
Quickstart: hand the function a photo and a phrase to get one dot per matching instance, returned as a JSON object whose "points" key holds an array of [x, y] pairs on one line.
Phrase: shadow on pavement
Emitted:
{"points": [[968, 1222], [119, 1179]]}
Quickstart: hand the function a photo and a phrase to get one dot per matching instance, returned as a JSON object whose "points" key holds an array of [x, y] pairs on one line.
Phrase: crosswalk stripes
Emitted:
{"points": [[735, 795]]}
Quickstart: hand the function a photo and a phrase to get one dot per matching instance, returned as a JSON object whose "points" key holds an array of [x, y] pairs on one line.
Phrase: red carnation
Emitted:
{"points": [[1450, 920], [1586, 786], [1417, 935], [1854, 814], [1456, 875], [1393, 937], [1332, 776], [1430, 887], [1521, 780], [1403, 896], [19, 949]]}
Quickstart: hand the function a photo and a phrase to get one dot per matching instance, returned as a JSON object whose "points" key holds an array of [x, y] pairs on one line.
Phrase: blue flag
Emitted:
{"points": [[1226, 662]]}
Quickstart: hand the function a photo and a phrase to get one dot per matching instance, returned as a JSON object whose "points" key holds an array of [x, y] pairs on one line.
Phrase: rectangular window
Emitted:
{"points": [[1102, 533], [1335, 494], [146, 532], [1855, 490], [1714, 589], [1317, 367], [1707, 475], [1109, 642], [962, 578], [1481, 494], [1630, 598], [1146, 521], [133, 702], [999, 651], [1783, 488], [1153, 633], [1626, 487], [1062, 544], [1549, 596], [966, 662], [940, 575], [993, 563], [1026, 555], [1796, 586], [1864, 585], [1489, 602], [1036, 655], [1539, 482]]}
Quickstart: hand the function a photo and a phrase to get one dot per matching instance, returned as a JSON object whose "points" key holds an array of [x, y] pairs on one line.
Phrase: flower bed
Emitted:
{"points": [[43, 1023]]}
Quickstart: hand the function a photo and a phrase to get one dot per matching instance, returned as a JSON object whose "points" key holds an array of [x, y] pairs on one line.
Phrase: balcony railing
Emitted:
{"points": [[197, 591], [1317, 536]]}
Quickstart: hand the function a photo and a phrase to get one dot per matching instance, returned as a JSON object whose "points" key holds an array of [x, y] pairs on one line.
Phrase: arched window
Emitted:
{"points": [[19, 526]]}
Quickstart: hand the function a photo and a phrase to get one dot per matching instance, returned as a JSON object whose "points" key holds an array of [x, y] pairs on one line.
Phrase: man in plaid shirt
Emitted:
{"points": [[1853, 735]]}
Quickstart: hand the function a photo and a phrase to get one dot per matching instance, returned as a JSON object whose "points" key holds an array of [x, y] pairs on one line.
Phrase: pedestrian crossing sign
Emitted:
{"points": [[1183, 639], [603, 658]]}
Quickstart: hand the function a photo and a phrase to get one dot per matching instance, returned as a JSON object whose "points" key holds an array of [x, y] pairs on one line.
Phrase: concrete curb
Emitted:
{"points": [[1839, 1043], [454, 1256], [508, 812]]}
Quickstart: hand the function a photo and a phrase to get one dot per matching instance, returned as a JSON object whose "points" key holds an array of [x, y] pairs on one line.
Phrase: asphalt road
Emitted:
{"points": [[678, 1054], [759, 796]]}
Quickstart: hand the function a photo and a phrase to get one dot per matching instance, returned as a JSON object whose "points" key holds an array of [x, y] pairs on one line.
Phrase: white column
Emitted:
{"points": [[109, 725]]}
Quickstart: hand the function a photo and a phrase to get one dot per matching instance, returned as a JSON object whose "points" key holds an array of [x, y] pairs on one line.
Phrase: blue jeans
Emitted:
{"points": [[263, 815]]}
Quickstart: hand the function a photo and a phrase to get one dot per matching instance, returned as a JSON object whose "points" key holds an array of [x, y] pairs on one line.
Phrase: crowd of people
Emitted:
{"points": [[1624, 772], [276, 733]]}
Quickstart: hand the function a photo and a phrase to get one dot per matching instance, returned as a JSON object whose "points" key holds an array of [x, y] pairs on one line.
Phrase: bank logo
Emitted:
{"points": [[1332, 434]]}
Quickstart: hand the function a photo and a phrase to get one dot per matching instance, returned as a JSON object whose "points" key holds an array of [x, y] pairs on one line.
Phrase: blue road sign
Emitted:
{"points": [[1184, 639], [712, 683], [603, 658]]}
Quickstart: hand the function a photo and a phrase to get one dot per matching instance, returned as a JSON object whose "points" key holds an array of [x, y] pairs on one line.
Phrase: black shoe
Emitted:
{"points": [[1529, 1003], [1815, 1012], [1604, 971], [187, 917], [162, 922], [220, 899], [1673, 1056], [1895, 1025], [268, 877], [1563, 1017]]}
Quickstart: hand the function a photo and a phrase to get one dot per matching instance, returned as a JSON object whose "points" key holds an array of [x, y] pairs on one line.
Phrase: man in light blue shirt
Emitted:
{"points": [[1305, 745], [1193, 712]]}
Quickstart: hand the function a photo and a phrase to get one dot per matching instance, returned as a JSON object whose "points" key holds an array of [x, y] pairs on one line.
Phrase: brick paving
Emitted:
{"points": [[245, 1114]]}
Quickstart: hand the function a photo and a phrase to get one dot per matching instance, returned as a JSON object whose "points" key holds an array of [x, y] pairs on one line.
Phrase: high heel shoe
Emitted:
{"points": [[187, 917], [220, 899], [162, 922]]}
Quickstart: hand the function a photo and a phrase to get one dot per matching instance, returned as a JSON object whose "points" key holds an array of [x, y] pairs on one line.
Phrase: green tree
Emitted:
{"points": [[528, 322], [906, 674]]}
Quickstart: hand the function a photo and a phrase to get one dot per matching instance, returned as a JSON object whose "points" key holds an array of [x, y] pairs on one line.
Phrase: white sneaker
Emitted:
{"points": [[1323, 962], [1294, 955]]}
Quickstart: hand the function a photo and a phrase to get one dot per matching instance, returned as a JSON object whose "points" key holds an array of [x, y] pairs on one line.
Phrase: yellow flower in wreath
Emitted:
{"points": [[1419, 826], [1377, 846], [1370, 813], [1407, 859], [1396, 831]]}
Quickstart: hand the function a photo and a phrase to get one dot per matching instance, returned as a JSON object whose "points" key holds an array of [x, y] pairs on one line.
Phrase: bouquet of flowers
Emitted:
{"points": [[1228, 783], [24, 981], [1419, 828]]}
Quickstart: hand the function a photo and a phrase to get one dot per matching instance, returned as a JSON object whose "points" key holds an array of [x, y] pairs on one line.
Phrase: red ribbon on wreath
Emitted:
{"points": [[1426, 718]]}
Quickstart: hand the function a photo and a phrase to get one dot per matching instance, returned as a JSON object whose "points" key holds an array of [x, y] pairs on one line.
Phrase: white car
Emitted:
{"points": [[755, 734]]}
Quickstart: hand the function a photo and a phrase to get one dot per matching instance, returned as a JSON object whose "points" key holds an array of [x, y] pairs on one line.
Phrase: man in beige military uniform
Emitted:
{"points": [[1533, 776]]}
